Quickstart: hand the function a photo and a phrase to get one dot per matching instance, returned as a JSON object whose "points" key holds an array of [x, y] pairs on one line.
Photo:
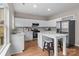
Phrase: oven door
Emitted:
{"points": [[35, 35]]}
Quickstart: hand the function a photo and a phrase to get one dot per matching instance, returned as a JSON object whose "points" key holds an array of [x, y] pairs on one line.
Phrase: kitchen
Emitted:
{"points": [[44, 29]]}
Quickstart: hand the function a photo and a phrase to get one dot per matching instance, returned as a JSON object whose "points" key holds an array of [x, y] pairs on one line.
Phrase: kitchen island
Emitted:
{"points": [[55, 36]]}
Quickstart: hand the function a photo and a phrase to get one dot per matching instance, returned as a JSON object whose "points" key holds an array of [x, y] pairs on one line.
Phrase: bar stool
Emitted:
{"points": [[49, 45]]}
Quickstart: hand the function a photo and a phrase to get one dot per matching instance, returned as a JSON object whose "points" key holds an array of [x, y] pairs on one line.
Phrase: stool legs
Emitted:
{"points": [[60, 45], [48, 48], [44, 46], [52, 46]]}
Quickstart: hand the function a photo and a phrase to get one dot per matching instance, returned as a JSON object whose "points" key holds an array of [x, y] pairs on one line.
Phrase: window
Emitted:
{"points": [[4, 19], [1, 27]]}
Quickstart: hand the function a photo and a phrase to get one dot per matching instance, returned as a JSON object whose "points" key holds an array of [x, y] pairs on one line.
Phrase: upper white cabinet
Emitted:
{"points": [[20, 22], [43, 24], [65, 24], [52, 23], [58, 25]]}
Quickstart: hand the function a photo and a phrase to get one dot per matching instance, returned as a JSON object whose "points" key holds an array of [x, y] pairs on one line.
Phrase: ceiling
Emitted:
{"points": [[42, 8]]}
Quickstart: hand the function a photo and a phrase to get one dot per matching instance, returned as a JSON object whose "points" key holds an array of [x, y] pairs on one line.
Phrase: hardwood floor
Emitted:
{"points": [[32, 49]]}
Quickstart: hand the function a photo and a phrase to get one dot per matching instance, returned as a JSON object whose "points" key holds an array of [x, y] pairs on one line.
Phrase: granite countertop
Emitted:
{"points": [[48, 32]]}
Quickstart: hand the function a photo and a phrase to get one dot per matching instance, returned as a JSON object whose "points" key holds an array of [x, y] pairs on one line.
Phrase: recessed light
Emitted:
{"points": [[49, 9], [35, 6]]}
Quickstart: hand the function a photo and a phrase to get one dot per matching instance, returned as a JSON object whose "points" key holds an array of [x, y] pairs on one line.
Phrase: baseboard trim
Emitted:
{"points": [[77, 45]]}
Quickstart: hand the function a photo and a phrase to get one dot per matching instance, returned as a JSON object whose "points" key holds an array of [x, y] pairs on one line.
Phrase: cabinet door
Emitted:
{"points": [[58, 25], [20, 22], [43, 24], [40, 41], [28, 35], [17, 43], [46, 24], [53, 22], [65, 25]]}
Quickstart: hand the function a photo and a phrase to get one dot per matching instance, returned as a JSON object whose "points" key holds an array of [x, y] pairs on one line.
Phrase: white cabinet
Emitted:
{"points": [[28, 35], [58, 25], [65, 25], [17, 43], [46, 24], [20, 22], [43, 24], [52, 23], [40, 41]]}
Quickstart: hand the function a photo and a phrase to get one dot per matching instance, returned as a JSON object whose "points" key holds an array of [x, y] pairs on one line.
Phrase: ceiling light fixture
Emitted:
{"points": [[49, 9], [35, 6]]}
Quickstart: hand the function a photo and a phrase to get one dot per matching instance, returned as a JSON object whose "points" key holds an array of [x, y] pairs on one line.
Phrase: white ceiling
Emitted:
{"points": [[41, 9]]}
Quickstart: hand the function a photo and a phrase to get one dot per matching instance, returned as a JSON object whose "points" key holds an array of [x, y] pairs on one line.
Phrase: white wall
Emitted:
{"points": [[76, 14]]}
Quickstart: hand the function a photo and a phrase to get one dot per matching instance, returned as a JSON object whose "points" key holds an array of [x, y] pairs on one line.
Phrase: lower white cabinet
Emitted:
{"points": [[28, 35], [17, 43], [40, 41]]}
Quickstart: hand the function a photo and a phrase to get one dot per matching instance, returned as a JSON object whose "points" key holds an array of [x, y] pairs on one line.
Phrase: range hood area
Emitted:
{"points": [[35, 24]]}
